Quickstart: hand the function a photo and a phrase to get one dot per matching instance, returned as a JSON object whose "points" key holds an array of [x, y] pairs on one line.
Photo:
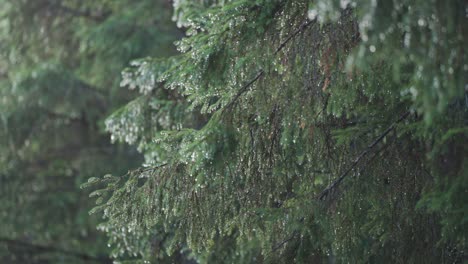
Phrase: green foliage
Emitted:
{"points": [[425, 40], [59, 78], [282, 131], [289, 94]]}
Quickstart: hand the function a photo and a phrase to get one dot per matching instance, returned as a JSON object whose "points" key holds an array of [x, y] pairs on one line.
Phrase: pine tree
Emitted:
{"points": [[281, 131], [303, 131]]}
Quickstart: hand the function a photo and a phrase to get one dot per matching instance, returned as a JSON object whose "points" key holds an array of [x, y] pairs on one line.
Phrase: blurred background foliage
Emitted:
{"points": [[60, 64]]}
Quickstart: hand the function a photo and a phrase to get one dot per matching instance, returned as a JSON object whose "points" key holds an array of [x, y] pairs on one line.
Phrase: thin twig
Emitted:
{"points": [[262, 72], [242, 90], [280, 244], [327, 190], [295, 33], [153, 167]]}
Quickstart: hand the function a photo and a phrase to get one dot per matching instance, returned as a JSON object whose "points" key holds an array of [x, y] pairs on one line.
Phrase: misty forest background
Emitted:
{"points": [[233, 131]]}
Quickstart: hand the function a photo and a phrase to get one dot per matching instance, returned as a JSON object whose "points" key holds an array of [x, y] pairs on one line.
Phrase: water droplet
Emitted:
{"points": [[421, 22], [312, 14]]}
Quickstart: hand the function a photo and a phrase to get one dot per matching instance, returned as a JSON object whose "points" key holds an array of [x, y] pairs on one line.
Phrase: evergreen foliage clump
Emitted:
{"points": [[304, 131]]}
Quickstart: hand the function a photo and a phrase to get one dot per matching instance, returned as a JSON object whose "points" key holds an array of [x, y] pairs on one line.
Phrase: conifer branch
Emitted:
{"points": [[243, 90], [262, 72], [141, 170], [281, 244], [334, 184], [327, 190], [294, 34]]}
